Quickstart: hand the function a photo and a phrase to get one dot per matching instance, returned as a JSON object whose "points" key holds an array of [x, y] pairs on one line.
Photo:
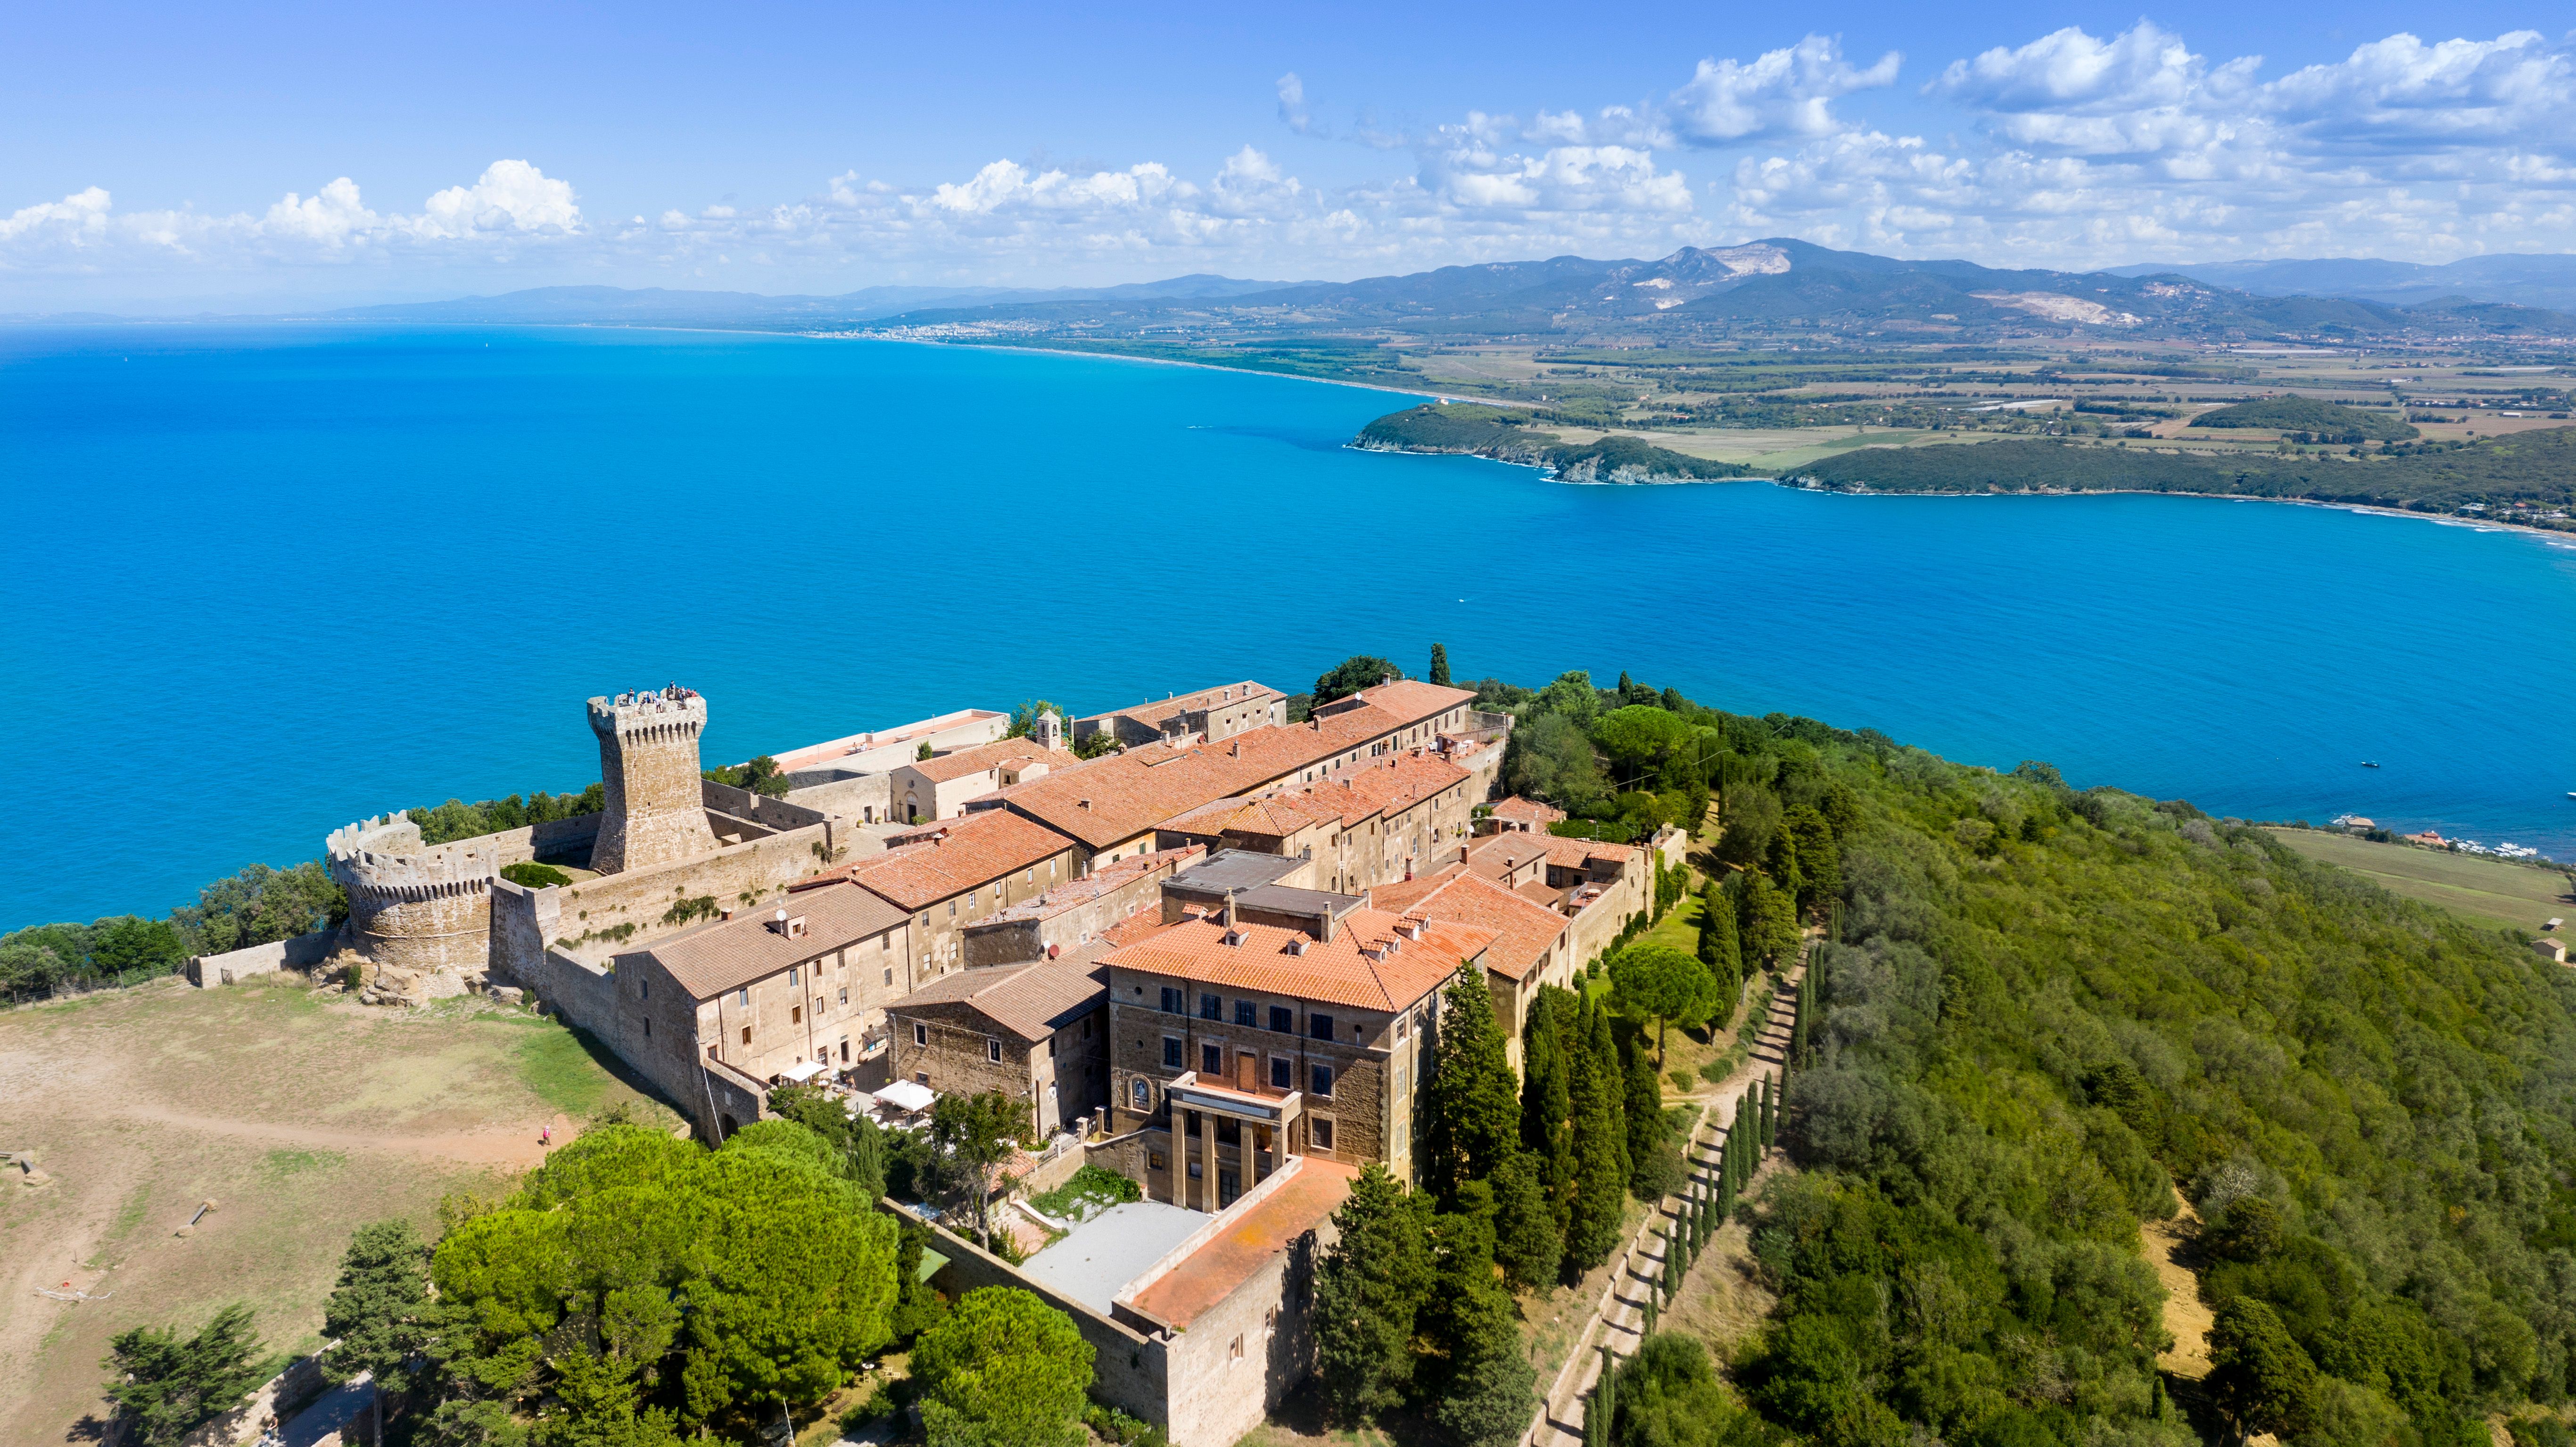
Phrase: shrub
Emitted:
{"points": [[529, 874]]}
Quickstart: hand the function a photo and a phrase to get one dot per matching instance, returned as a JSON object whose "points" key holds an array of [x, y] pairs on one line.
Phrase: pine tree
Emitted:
{"points": [[1600, 1152], [1439, 674], [1470, 1106], [1528, 1244], [378, 1310], [1369, 1291], [164, 1387], [1547, 1101]]}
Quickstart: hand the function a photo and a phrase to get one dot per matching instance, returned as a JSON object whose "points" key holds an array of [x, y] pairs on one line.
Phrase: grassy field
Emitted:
{"points": [[2490, 892], [301, 1116]]}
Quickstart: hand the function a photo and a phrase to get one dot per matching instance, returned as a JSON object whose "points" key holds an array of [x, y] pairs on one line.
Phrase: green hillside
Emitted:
{"points": [[2534, 467], [1505, 436], [2055, 1009], [2329, 421]]}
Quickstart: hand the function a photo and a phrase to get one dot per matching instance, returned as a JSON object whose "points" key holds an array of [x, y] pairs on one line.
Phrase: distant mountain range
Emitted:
{"points": [[1773, 287], [2542, 281]]}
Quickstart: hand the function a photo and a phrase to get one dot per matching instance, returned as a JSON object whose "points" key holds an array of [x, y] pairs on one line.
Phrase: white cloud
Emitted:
{"points": [[1788, 92], [2068, 150], [511, 196]]}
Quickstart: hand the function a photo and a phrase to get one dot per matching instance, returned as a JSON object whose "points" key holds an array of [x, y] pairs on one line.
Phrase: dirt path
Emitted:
{"points": [[1619, 1315], [2186, 1315]]}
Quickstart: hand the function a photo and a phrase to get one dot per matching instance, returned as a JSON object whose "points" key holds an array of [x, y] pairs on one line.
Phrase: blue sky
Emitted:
{"points": [[162, 155]]}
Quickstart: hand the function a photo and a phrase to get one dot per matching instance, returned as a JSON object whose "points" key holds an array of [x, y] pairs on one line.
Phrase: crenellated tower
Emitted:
{"points": [[648, 764], [422, 907]]}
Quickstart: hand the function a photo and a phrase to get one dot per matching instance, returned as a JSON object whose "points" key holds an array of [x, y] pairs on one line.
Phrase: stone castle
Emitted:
{"points": [[669, 847]]}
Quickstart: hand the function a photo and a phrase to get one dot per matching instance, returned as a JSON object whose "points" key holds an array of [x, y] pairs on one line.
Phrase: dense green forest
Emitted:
{"points": [[2052, 1014], [2326, 421], [2527, 467], [1505, 436]]}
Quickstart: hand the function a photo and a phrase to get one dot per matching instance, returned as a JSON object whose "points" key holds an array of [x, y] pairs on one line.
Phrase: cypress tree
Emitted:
{"points": [[1547, 1101], [1470, 1108], [1528, 1244], [1653, 1168], [1605, 1393], [1719, 951], [1368, 1291], [1605, 1053], [1600, 1153], [1488, 1387], [1439, 673], [1770, 1114]]}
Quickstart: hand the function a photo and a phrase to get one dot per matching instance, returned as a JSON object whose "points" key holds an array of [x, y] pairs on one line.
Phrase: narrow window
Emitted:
{"points": [[743, 996], [1324, 1081], [845, 998], [993, 1051], [791, 974], [1171, 1051], [1211, 1008], [1212, 1060], [648, 1027], [1283, 1072], [1320, 1131], [644, 988], [746, 1034], [889, 974], [795, 1014], [1171, 1001]]}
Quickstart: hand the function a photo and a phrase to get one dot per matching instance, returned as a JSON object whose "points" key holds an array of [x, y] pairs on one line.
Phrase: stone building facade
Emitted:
{"points": [[1036, 1032], [1236, 1044]]}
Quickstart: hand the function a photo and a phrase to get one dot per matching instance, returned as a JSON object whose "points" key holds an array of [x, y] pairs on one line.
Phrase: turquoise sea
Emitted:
{"points": [[259, 582]]}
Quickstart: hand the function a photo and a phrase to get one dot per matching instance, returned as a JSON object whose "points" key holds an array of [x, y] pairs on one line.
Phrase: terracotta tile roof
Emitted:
{"points": [[1497, 855], [1367, 963], [1576, 853], [1523, 928], [713, 958], [1410, 701], [1153, 712], [1119, 796], [984, 758], [975, 851], [1530, 811], [1244, 1242], [1030, 1000], [1540, 892], [1387, 785], [1109, 879], [1275, 816]]}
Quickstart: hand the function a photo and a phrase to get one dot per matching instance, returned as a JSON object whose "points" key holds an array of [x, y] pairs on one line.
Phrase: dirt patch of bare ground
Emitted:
{"points": [[301, 1116]]}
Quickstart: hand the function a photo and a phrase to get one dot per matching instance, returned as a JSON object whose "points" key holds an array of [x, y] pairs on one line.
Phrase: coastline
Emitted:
{"points": [[2564, 536], [1123, 357]]}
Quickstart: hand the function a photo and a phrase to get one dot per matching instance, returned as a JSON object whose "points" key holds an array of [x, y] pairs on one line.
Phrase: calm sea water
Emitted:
{"points": [[257, 583]]}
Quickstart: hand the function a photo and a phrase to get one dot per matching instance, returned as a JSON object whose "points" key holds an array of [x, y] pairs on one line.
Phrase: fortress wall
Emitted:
{"points": [[590, 997], [1130, 1368], [759, 868], [779, 814], [862, 800], [300, 953]]}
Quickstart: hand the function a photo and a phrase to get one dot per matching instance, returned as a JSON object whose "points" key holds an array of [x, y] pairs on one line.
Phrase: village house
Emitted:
{"points": [[1517, 815], [1533, 943], [1235, 1044], [1035, 1032], [1267, 888], [1597, 885], [1072, 915], [938, 787], [1211, 714], [767, 991], [949, 875], [1112, 807]]}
